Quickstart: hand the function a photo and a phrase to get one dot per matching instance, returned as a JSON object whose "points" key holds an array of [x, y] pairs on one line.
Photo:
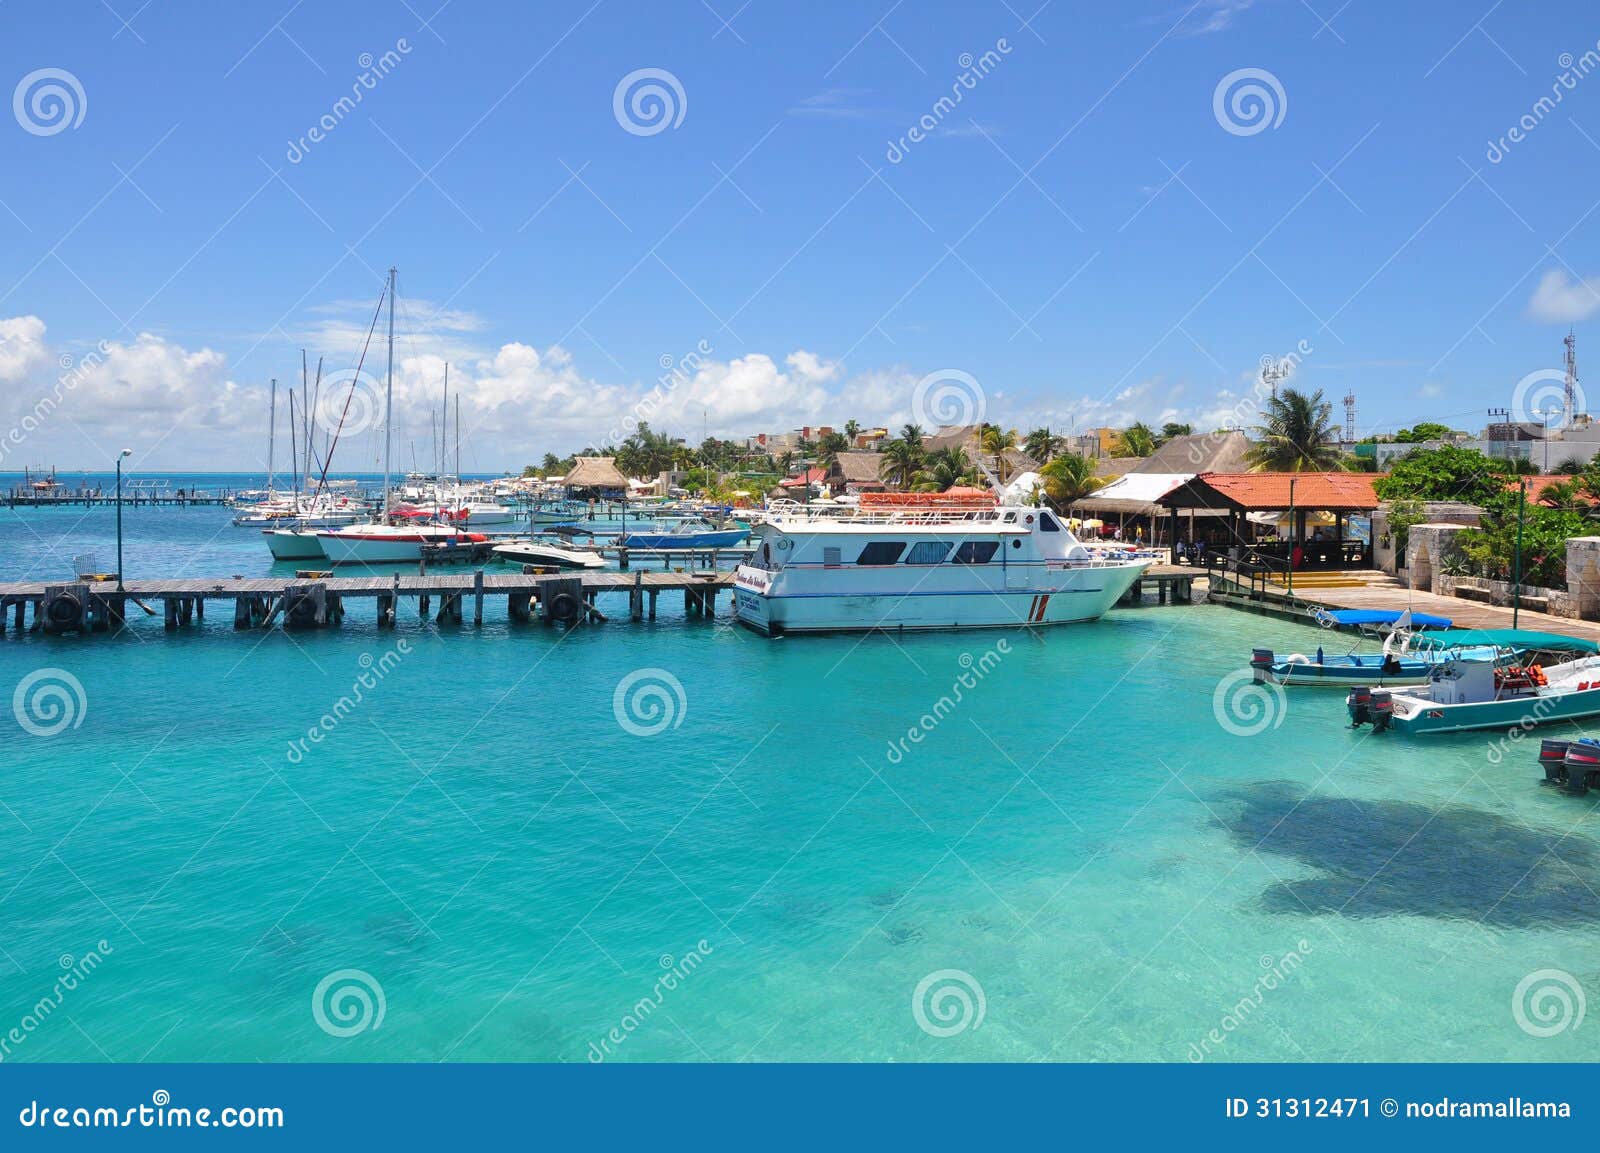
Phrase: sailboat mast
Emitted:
{"points": [[272, 433], [388, 402], [458, 432], [294, 450]]}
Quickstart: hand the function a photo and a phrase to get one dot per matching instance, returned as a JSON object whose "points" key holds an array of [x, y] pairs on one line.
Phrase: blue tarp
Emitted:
{"points": [[1383, 617]]}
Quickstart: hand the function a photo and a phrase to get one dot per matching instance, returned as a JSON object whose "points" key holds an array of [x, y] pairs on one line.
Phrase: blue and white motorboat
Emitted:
{"points": [[689, 533], [1398, 663]]}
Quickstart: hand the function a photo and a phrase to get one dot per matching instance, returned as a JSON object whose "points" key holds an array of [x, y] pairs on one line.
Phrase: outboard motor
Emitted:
{"points": [[1382, 709], [1359, 702], [1262, 660], [1583, 766], [1553, 759]]}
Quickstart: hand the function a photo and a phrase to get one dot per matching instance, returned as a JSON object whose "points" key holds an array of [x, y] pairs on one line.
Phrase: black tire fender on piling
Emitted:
{"points": [[565, 607], [65, 610]]}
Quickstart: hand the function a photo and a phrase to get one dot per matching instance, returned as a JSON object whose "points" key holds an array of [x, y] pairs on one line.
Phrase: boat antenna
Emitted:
{"points": [[388, 403]]}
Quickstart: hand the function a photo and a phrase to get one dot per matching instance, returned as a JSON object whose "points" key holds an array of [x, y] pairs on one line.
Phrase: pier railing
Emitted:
{"points": [[1254, 574]]}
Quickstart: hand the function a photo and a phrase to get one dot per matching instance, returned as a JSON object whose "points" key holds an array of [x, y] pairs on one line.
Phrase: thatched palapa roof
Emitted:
{"points": [[861, 467], [595, 472]]}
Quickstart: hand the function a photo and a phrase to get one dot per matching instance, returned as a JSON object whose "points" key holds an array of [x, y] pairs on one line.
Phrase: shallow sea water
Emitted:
{"points": [[1080, 838]]}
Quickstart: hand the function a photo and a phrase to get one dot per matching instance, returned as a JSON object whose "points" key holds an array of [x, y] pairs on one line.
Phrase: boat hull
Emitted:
{"points": [[558, 558], [667, 540], [287, 544], [1060, 597], [379, 549], [1429, 718]]}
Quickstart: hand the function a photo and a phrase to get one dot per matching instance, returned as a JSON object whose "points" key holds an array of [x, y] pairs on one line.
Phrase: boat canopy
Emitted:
{"points": [[1382, 617], [1506, 639]]}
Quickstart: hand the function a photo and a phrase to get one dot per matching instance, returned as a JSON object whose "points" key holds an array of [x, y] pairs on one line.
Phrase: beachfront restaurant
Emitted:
{"points": [[1305, 520]]}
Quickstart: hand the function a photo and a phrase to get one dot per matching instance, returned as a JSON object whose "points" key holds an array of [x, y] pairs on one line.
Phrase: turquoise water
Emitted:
{"points": [[483, 838]]}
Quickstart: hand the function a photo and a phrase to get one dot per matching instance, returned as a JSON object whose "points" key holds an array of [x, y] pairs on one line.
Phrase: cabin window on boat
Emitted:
{"points": [[929, 551], [881, 552], [976, 552], [1047, 523], [830, 558]]}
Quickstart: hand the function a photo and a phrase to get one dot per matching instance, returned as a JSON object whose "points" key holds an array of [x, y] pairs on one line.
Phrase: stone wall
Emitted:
{"points": [[1443, 512], [1557, 602], [1426, 551]]}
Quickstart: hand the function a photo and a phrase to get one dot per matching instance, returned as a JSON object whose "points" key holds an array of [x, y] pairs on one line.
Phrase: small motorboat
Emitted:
{"points": [[537, 552], [1526, 679], [1395, 664]]}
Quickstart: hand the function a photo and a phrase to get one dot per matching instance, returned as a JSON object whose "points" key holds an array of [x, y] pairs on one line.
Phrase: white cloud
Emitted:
{"points": [[22, 349], [1560, 299]]}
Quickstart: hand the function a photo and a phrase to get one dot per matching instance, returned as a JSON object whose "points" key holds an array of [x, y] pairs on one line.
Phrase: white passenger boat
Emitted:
{"points": [[923, 561]]}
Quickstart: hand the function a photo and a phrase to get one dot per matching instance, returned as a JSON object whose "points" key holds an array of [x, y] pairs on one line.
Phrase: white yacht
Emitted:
{"points": [[915, 561]]}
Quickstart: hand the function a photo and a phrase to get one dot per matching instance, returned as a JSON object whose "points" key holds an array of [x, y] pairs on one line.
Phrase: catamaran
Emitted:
{"points": [[924, 561]]}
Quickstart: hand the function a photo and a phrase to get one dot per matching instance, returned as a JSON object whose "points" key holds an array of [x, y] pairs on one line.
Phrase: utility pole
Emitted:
{"points": [[1516, 584]]}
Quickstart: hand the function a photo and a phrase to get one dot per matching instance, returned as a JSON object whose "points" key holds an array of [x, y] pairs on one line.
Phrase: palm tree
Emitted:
{"points": [[852, 429], [1069, 478], [1564, 494], [944, 467], [1042, 444], [995, 441], [913, 434], [900, 463], [1173, 429], [1138, 440], [1297, 434]]}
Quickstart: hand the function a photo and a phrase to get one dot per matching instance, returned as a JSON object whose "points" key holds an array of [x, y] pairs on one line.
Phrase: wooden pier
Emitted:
{"points": [[1170, 582], [555, 598]]}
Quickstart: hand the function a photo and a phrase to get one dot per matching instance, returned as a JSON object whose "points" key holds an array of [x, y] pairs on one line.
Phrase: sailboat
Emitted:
{"points": [[385, 542]]}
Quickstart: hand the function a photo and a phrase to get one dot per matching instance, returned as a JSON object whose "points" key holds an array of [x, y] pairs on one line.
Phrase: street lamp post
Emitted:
{"points": [[127, 452], [1516, 580]]}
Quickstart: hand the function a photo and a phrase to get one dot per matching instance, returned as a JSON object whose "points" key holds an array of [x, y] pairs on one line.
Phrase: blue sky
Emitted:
{"points": [[1081, 235]]}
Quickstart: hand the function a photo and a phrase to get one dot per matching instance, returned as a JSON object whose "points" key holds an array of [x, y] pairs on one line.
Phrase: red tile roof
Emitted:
{"points": [[1263, 491], [1538, 484]]}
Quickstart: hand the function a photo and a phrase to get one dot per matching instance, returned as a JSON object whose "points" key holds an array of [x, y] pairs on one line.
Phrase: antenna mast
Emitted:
{"points": [[1569, 416], [1350, 418]]}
